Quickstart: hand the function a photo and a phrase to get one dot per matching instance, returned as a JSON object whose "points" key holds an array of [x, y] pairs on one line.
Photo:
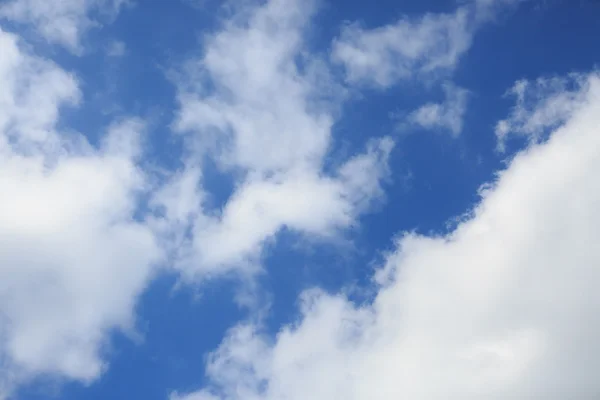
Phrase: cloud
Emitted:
{"points": [[262, 110], [447, 115], [504, 306], [61, 22], [77, 249], [72, 257], [541, 105], [426, 47], [410, 47]]}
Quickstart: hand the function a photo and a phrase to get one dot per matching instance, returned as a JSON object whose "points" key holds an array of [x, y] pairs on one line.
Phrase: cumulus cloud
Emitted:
{"points": [[447, 115], [72, 257], [61, 22], [263, 111], [76, 249], [504, 306]]}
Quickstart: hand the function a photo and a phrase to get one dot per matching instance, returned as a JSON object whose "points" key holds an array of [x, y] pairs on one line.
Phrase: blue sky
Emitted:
{"points": [[286, 199]]}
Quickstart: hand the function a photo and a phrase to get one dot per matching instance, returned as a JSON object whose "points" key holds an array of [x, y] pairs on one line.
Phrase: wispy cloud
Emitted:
{"points": [[541, 105], [61, 22], [408, 48], [447, 115], [428, 47]]}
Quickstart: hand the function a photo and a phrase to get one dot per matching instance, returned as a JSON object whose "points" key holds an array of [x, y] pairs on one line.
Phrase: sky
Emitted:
{"points": [[299, 199]]}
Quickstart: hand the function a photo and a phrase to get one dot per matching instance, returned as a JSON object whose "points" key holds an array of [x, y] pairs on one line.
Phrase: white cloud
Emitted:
{"points": [[72, 257], [541, 105], [447, 115], [247, 104], [505, 306], [426, 47], [60, 22], [410, 47]]}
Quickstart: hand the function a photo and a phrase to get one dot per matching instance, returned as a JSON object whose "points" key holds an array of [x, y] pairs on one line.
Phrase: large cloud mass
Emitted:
{"points": [[72, 258], [504, 306]]}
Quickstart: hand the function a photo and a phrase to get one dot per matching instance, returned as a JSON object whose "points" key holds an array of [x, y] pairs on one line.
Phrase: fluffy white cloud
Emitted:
{"points": [[61, 22], [447, 115], [504, 306], [263, 111], [72, 257]]}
